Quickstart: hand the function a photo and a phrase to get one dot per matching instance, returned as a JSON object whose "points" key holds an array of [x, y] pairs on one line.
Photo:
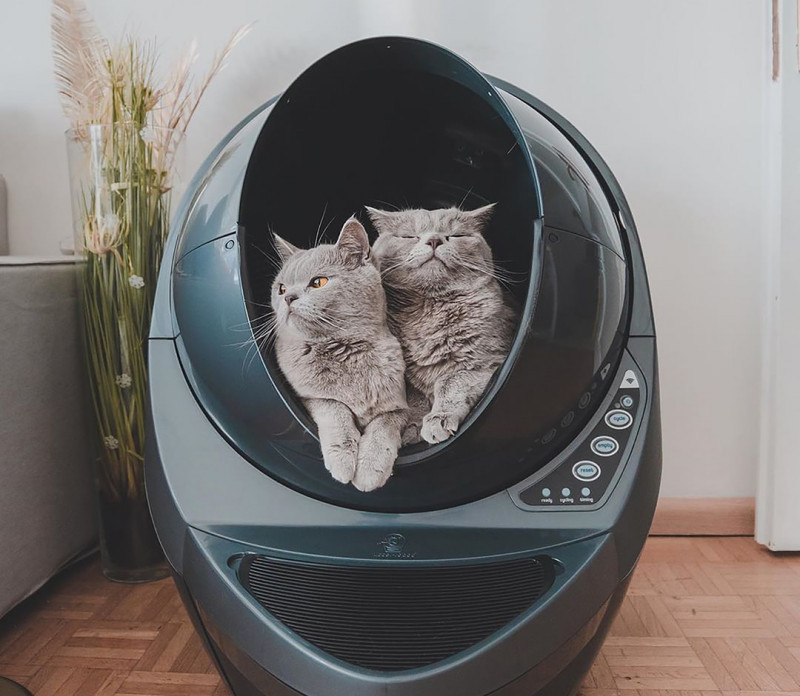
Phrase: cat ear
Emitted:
{"points": [[479, 217], [284, 248], [353, 242], [382, 219]]}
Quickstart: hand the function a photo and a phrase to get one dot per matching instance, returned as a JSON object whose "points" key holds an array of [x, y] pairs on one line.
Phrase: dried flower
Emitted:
{"points": [[123, 381], [136, 281], [111, 442], [102, 235]]}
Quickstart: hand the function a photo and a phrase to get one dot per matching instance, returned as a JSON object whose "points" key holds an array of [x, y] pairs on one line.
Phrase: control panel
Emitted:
{"points": [[583, 476]]}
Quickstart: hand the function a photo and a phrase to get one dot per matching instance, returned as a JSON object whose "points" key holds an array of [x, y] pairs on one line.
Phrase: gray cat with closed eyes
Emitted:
{"points": [[446, 307], [335, 349]]}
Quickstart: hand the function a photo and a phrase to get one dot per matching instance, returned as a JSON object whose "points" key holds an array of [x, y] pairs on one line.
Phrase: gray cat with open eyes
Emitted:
{"points": [[446, 307], [335, 349]]}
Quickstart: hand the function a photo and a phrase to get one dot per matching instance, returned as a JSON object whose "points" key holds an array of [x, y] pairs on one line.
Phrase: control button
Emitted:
{"points": [[566, 492], [545, 492], [549, 435], [629, 380], [566, 420], [585, 399], [618, 419], [605, 446], [585, 492], [626, 401], [586, 471]]}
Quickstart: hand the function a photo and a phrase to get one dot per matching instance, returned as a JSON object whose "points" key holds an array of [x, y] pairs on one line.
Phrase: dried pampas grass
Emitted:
{"points": [[80, 54], [103, 83]]}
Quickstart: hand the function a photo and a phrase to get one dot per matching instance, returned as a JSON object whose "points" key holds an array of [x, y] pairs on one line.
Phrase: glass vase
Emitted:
{"points": [[122, 177]]}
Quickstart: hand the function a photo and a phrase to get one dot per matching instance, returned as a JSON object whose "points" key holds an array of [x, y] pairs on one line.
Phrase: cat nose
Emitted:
{"points": [[433, 242], [290, 297]]}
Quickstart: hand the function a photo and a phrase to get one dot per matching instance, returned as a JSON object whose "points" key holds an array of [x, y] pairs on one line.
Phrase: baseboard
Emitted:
{"points": [[704, 517]]}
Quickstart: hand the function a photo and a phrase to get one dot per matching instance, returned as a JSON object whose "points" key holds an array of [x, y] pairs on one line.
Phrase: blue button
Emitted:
{"points": [[605, 446], [626, 401], [586, 471], [618, 419]]}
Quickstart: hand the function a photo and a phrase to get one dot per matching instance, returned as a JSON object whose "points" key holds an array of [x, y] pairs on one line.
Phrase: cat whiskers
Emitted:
{"points": [[259, 304], [262, 336], [273, 259], [263, 340], [320, 232], [501, 275], [466, 195], [326, 320], [386, 204], [395, 266]]}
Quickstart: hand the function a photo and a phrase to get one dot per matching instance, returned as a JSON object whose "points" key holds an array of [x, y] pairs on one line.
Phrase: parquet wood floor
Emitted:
{"points": [[704, 616]]}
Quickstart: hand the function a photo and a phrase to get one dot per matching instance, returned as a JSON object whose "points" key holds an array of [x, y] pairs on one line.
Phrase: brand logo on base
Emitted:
{"points": [[392, 546]]}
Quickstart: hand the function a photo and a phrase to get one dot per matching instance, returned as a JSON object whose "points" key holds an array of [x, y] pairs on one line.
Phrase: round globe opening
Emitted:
{"points": [[402, 123]]}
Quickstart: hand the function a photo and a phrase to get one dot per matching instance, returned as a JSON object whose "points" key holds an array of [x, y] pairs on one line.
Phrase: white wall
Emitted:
{"points": [[670, 92]]}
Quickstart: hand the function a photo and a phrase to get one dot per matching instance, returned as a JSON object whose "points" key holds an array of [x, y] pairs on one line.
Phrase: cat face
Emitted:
{"points": [[332, 290], [432, 249]]}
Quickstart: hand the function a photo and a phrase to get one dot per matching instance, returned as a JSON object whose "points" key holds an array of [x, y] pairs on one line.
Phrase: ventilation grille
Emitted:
{"points": [[395, 618]]}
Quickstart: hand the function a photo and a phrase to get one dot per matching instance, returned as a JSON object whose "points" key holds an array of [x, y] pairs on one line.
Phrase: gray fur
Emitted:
{"points": [[446, 307], [335, 349]]}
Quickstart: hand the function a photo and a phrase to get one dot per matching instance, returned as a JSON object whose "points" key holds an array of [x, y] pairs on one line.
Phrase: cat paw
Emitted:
{"points": [[375, 463], [438, 427], [411, 434], [341, 459]]}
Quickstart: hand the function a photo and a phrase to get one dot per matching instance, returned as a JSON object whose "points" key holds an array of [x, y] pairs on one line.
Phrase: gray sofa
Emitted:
{"points": [[47, 503]]}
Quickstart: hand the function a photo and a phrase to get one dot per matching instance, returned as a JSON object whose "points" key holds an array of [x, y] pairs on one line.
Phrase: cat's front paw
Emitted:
{"points": [[341, 459], [438, 427], [376, 460]]}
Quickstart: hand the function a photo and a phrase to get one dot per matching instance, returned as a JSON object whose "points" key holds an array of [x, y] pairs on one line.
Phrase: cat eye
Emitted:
{"points": [[450, 236], [318, 282], [407, 236], [281, 289]]}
